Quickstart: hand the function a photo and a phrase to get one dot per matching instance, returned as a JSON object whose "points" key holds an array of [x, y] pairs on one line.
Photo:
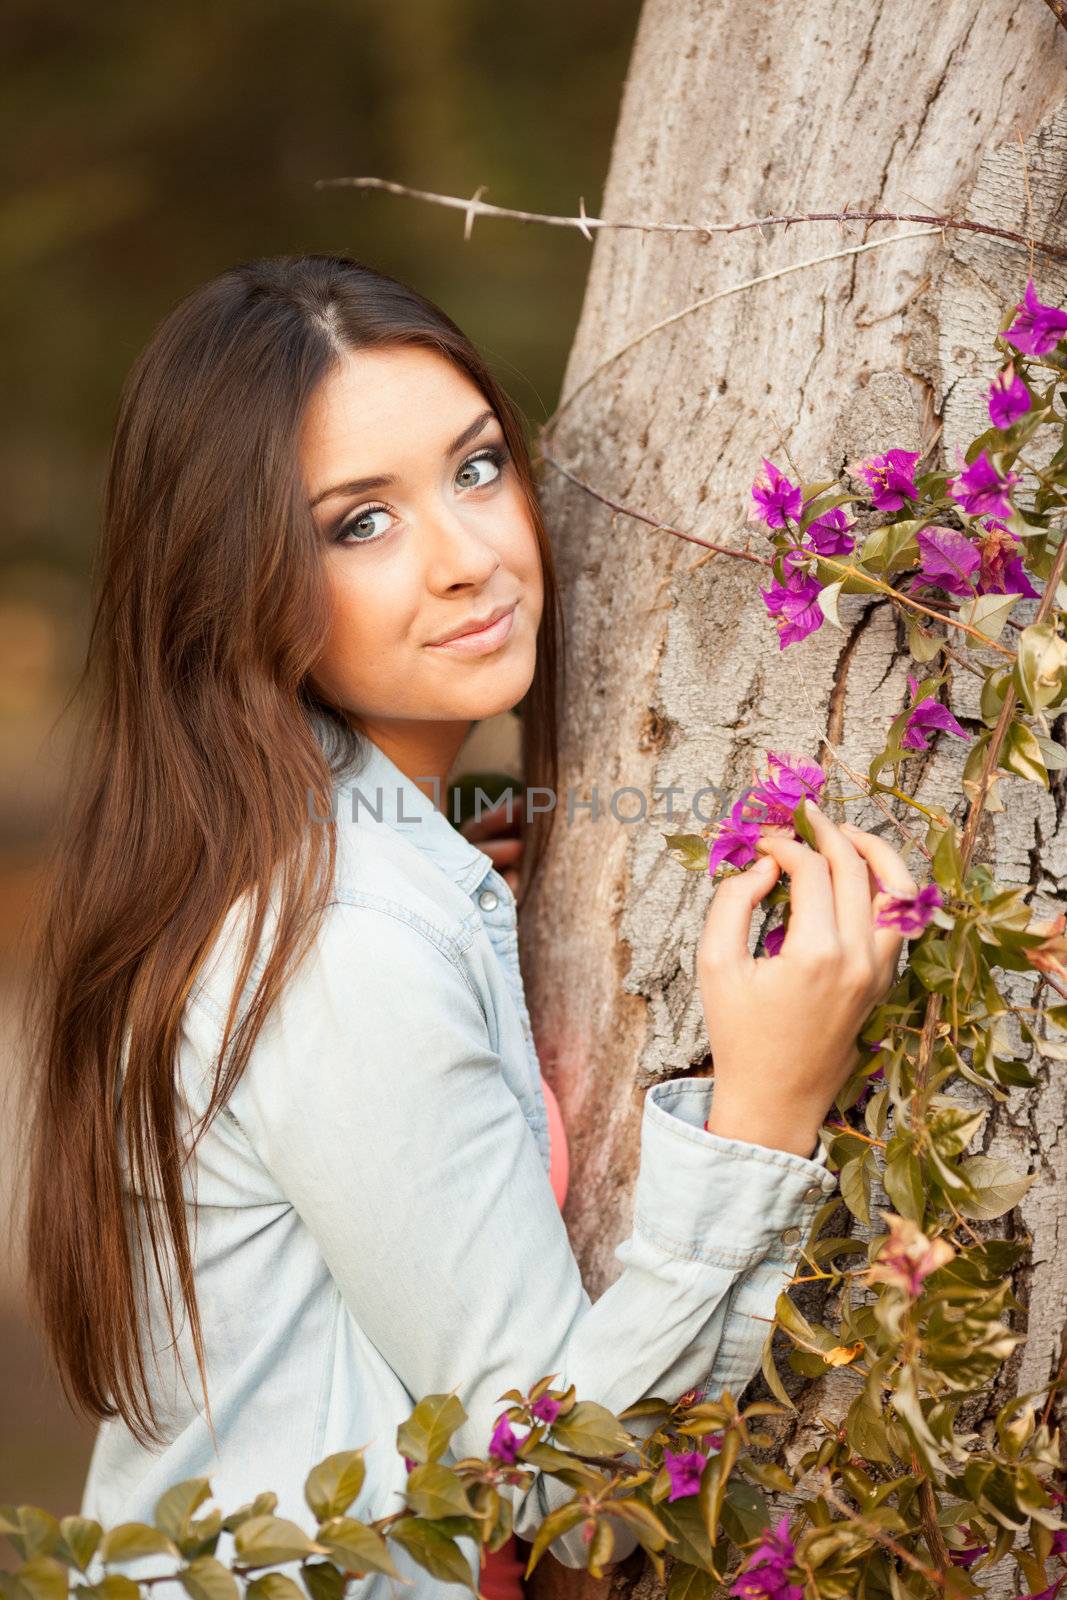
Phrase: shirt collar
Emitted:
{"points": [[388, 798]]}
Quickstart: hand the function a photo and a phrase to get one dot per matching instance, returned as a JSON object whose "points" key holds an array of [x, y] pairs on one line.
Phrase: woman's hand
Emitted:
{"points": [[783, 1029], [500, 839]]}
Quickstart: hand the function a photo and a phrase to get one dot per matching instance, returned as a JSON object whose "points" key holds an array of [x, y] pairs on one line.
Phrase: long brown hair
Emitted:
{"points": [[193, 765]]}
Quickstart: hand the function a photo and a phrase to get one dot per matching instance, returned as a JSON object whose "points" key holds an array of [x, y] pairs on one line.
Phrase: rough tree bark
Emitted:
{"points": [[675, 675]]}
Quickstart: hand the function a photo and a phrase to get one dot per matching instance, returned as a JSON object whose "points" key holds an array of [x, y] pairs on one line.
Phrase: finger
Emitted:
{"points": [[503, 852], [724, 936], [812, 919], [892, 877], [850, 882]]}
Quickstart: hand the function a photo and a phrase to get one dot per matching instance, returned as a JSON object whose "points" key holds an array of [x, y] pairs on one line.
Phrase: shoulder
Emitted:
{"points": [[391, 908]]}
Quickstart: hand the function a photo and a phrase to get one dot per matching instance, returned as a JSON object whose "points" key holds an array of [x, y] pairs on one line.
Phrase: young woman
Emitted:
{"points": [[291, 1159]]}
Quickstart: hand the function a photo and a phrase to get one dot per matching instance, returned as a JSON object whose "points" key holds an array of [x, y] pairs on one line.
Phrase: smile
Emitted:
{"points": [[484, 641]]}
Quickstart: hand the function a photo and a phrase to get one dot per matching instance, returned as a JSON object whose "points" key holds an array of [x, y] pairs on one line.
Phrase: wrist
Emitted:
{"points": [[794, 1128]]}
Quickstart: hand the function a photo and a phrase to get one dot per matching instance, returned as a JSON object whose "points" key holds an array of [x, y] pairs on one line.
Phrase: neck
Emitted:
{"points": [[424, 751]]}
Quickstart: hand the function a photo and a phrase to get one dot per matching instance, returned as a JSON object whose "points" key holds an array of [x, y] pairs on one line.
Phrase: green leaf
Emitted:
{"points": [[923, 644], [81, 1535], [207, 1579], [428, 1431], [856, 1185], [114, 1586], [129, 1541], [689, 1583], [1041, 666], [947, 861], [357, 1548], [32, 1531], [866, 1430], [996, 1187], [174, 1509], [827, 599], [43, 1578], [989, 613], [932, 965], [273, 1586], [269, 1541], [323, 1581], [437, 1554], [802, 824], [333, 1484], [691, 849], [1021, 754], [903, 1182], [592, 1430], [435, 1491], [770, 1373]]}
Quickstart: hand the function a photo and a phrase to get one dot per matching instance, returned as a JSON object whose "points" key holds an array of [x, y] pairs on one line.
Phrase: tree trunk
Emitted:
{"points": [[675, 676]]}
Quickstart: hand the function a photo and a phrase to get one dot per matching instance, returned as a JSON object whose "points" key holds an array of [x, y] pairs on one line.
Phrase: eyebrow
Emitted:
{"points": [[386, 480]]}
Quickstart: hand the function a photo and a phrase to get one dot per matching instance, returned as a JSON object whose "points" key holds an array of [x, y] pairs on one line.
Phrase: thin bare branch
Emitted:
{"points": [[585, 224]]}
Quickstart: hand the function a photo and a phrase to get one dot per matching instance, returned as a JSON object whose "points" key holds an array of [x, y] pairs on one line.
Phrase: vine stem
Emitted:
{"points": [[886, 1539], [846, 568]]}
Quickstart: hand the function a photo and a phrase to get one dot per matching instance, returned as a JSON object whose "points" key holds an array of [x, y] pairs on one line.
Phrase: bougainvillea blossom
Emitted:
{"points": [[766, 1573], [1008, 399], [793, 604], [829, 534], [776, 497], [1037, 328], [891, 478], [908, 1257], [1002, 570], [909, 914], [981, 490], [684, 1472]]}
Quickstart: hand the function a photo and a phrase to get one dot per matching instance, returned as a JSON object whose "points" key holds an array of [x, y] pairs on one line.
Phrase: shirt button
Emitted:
{"points": [[791, 1236], [811, 1195], [488, 899]]}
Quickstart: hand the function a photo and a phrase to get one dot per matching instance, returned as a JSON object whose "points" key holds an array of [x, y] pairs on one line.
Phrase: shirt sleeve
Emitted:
{"points": [[380, 1108]]}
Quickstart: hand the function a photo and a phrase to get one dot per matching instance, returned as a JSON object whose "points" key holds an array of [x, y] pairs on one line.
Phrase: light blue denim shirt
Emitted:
{"points": [[374, 1219]]}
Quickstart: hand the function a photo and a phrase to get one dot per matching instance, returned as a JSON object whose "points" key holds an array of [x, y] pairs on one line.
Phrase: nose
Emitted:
{"points": [[459, 554]]}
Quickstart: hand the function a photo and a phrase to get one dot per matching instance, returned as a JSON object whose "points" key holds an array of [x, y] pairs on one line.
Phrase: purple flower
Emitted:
{"points": [[891, 478], [793, 604], [1046, 1594], [409, 1463], [504, 1444], [923, 717], [776, 498], [791, 780], [772, 944], [1002, 565], [909, 913], [829, 534], [765, 1575], [1059, 1543], [545, 1409], [967, 1558], [981, 490], [948, 559], [1037, 328], [735, 840], [684, 1472], [1009, 398]]}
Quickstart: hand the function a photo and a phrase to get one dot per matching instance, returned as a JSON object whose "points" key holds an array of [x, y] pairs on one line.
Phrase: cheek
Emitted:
{"points": [[369, 616]]}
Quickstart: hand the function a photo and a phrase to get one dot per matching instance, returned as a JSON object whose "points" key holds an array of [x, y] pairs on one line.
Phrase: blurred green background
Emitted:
{"points": [[146, 148]]}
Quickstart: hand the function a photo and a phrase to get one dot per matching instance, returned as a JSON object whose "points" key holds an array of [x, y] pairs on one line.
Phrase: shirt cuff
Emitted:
{"points": [[705, 1198]]}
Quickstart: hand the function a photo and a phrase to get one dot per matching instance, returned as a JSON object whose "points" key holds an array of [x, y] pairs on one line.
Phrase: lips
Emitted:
{"points": [[477, 627], [483, 641]]}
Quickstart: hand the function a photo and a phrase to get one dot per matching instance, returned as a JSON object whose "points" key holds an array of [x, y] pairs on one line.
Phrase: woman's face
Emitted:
{"points": [[446, 543]]}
